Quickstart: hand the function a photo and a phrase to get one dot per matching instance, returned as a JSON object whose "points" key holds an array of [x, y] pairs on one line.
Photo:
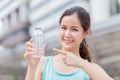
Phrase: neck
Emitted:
{"points": [[75, 51]]}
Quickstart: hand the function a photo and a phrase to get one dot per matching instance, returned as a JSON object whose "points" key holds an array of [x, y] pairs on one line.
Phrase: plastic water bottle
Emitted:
{"points": [[38, 41]]}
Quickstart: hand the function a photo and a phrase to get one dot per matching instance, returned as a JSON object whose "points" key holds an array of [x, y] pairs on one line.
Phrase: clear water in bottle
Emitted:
{"points": [[38, 41]]}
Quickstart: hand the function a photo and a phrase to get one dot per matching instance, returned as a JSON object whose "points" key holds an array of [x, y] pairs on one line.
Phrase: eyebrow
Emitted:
{"points": [[74, 26]]}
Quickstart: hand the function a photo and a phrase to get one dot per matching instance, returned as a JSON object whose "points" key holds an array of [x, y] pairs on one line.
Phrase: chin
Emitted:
{"points": [[68, 47]]}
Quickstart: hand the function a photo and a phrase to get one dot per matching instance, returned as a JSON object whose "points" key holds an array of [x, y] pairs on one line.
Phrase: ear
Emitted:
{"points": [[88, 32]]}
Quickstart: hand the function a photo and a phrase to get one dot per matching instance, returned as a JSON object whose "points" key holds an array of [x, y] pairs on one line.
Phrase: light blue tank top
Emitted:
{"points": [[49, 73]]}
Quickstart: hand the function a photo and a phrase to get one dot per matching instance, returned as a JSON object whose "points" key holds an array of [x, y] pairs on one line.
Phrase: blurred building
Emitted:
{"points": [[13, 35], [104, 40], [19, 17]]}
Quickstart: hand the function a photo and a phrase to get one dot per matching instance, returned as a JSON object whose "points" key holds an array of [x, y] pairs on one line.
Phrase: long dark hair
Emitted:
{"points": [[84, 19]]}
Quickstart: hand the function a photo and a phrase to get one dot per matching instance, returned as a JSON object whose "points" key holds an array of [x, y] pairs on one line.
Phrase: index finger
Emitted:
{"points": [[31, 40], [59, 51]]}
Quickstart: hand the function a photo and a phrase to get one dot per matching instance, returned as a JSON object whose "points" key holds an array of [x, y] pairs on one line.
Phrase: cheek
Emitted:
{"points": [[61, 33], [78, 37]]}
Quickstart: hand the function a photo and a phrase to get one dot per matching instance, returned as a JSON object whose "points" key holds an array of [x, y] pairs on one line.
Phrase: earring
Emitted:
{"points": [[81, 46]]}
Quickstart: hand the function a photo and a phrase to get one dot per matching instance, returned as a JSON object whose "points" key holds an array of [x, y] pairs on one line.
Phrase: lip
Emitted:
{"points": [[68, 42]]}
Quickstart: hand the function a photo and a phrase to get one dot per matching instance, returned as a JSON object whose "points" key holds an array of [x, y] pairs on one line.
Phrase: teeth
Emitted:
{"points": [[69, 40]]}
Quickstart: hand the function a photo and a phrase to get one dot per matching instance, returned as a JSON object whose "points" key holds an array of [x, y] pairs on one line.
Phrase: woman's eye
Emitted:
{"points": [[64, 28], [74, 30]]}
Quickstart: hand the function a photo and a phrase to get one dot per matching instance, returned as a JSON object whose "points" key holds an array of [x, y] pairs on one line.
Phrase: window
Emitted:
{"points": [[114, 7]]}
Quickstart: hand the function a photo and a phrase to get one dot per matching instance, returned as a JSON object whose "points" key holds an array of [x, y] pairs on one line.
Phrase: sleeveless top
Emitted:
{"points": [[49, 73]]}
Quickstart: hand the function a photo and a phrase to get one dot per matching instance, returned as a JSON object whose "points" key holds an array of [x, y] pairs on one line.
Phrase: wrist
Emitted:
{"points": [[31, 67], [83, 63]]}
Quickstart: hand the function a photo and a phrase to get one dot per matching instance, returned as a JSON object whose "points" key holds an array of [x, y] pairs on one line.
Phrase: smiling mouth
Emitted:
{"points": [[68, 41]]}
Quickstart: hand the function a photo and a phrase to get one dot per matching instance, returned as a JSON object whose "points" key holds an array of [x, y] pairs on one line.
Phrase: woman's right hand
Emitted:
{"points": [[30, 51]]}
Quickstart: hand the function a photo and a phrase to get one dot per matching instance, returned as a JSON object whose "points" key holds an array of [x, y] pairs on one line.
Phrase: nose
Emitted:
{"points": [[67, 33]]}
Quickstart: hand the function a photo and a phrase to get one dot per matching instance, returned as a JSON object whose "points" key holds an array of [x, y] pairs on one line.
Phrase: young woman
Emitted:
{"points": [[73, 61]]}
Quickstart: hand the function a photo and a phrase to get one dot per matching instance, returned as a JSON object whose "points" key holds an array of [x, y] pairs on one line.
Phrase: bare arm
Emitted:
{"points": [[40, 68], [30, 73], [95, 71], [32, 61]]}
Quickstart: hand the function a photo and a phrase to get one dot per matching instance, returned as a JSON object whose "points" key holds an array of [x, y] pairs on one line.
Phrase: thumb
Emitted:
{"points": [[31, 40], [44, 47]]}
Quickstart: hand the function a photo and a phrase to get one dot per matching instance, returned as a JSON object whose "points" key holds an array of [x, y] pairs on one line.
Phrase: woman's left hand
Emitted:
{"points": [[70, 59]]}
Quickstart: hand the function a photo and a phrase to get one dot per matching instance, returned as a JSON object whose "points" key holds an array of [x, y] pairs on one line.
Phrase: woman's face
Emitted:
{"points": [[71, 32]]}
